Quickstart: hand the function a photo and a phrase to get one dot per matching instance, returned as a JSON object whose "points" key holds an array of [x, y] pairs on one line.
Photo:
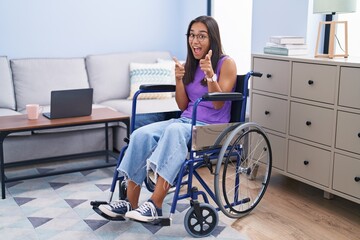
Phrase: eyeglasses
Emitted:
{"points": [[200, 37]]}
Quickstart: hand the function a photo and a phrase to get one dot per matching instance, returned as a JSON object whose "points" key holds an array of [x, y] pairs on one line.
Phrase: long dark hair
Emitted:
{"points": [[215, 45]]}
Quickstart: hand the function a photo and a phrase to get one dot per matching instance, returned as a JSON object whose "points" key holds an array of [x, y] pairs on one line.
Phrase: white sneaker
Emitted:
{"points": [[116, 208], [147, 212]]}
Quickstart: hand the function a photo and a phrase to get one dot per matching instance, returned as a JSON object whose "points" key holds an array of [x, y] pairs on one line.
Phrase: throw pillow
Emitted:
{"points": [[153, 73], [172, 64]]}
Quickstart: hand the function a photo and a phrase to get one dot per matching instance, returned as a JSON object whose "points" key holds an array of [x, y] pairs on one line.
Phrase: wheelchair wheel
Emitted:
{"points": [[243, 170], [202, 223]]}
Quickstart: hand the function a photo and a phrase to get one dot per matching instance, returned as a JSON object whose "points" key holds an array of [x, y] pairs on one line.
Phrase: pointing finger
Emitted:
{"points": [[177, 62], [209, 55]]}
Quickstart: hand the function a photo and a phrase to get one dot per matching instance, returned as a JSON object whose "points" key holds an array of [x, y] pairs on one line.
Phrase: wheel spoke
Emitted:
{"points": [[242, 175]]}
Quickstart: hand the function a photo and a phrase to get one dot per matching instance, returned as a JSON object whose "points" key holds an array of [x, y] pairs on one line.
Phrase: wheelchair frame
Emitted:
{"points": [[234, 156]]}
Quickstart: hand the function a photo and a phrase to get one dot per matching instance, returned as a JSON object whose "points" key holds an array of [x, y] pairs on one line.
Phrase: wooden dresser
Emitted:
{"points": [[310, 108]]}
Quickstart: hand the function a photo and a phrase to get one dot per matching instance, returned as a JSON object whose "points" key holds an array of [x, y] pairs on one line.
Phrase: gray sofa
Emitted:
{"points": [[24, 81]]}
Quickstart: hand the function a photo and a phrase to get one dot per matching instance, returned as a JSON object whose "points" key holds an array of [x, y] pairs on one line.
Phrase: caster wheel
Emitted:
{"points": [[201, 224]]}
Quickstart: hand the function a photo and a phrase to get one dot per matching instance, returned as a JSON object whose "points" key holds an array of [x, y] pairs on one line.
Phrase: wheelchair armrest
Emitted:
{"points": [[218, 96], [157, 88]]}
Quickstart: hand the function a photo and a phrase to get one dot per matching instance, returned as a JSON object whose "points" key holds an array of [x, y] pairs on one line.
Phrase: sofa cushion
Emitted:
{"points": [[109, 73], [151, 73], [7, 96], [8, 112], [143, 106], [44, 75]]}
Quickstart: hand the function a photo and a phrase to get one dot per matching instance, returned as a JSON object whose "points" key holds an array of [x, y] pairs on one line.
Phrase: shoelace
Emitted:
{"points": [[147, 206], [119, 204]]}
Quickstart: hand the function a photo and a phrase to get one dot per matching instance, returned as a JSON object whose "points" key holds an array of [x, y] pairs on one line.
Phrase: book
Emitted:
{"points": [[288, 46], [287, 39], [285, 51]]}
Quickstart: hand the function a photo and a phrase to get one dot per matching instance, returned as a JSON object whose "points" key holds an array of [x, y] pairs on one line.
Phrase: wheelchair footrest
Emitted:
{"points": [[95, 207], [97, 203], [162, 221]]}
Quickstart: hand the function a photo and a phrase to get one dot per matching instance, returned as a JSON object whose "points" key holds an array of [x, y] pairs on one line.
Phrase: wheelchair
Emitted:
{"points": [[237, 155]]}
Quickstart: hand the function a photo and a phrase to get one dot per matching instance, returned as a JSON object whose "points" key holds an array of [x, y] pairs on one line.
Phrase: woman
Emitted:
{"points": [[162, 146]]}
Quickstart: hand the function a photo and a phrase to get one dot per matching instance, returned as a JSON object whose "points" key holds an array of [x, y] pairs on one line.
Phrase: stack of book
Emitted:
{"points": [[286, 45]]}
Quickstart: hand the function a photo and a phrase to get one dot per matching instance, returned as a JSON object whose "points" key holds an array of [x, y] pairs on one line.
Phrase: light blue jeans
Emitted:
{"points": [[161, 146]]}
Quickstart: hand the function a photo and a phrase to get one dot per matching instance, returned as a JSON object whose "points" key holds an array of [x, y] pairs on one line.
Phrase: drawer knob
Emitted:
{"points": [[359, 134], [306, 162], [308, 123], [268, 75], [310, 82], [267, 113], [357, 179]]}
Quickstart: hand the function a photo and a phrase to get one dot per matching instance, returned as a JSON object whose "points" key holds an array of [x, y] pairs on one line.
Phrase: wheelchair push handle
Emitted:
{"points": [[256, 74]]}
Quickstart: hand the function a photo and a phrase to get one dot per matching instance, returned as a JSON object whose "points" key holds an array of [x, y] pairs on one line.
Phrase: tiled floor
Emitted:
{"points": [[58, 207]]}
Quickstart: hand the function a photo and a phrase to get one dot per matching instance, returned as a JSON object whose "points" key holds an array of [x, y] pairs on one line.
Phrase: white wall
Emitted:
{"points": [[75, 28], [277, 17], [312, 29], [72, 28], [234, 18]]}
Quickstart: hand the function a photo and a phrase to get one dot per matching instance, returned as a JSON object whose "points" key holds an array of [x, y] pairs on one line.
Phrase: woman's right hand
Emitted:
{"points": [[179, 70]]}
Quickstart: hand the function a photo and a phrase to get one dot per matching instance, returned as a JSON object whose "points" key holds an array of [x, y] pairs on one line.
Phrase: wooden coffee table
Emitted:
{"points": [[20, 123]]}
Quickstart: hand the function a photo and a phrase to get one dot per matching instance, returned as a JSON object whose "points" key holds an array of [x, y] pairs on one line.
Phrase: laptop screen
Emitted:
{"points": [[71, 103]]}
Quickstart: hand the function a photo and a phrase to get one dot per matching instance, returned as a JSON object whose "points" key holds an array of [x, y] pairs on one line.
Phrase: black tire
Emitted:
{"points": [[203, 225], [122, 190], [243, 170], [150, 181]]}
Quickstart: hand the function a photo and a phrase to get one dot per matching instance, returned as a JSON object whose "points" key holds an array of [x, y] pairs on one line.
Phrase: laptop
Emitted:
{"points": [[70, 103]]}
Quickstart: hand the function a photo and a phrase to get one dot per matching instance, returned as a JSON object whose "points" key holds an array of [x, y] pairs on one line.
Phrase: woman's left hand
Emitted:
{"points": [[205, 65]]}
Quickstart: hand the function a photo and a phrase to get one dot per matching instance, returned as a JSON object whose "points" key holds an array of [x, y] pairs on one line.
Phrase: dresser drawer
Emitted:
{"points": [[311, 123], [348, 132], [275, 78], [309, 162], [349, 92], [314, 82], [278, 147], [269, 112], [278, 150], [346, 175]]}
